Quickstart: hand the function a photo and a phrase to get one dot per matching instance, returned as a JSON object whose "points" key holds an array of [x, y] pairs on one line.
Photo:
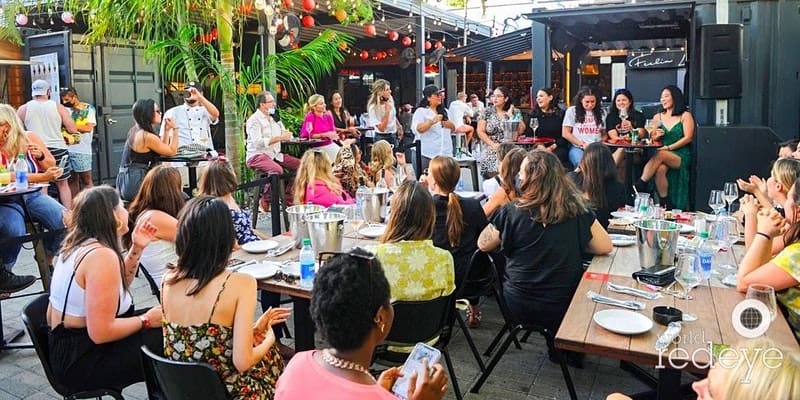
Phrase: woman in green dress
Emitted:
{"points": [[670, 164]]}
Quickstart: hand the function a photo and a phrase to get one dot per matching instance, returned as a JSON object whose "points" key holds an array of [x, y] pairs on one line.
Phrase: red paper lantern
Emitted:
{"points": [[427, 45], [287, 3], [406, 41], [364, 55], [309, 5], [308, 21], [369, 29], [438, 45], [393, 36]]}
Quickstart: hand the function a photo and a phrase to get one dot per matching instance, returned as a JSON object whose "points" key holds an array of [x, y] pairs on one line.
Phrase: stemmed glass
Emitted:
{"points": [[731, 193], [354, 216], [623, 116], [764, 294], [716, 202], [689, 274], [534, 126]]}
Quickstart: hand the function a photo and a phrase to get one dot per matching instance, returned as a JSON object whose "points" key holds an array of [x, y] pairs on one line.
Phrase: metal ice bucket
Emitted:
{"points": [[373, 201], [509, 130], [657, 241], [326, 230], [297, 221]]}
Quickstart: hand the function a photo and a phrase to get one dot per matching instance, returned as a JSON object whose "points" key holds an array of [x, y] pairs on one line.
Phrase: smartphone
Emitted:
{"points": [[414, 363], [63, 163]]}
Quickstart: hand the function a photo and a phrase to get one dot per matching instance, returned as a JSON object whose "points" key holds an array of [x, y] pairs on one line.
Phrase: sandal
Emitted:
{"points": [[473, 316]]}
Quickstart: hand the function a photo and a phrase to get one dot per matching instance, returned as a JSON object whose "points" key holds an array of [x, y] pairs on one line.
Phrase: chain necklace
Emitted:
{"points": [[344, 364]]}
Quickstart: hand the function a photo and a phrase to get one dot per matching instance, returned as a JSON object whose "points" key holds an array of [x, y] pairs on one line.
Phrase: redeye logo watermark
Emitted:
{"points": [[751, 318]]}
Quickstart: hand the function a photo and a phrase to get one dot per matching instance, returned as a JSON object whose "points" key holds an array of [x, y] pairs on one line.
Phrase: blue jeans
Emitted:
{"points": [[575, 155], [44, 210]]}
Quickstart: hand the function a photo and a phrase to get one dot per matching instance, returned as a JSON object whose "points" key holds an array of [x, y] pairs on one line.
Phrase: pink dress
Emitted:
{"points": [[304, 379], [319, 194], [314, 124]]}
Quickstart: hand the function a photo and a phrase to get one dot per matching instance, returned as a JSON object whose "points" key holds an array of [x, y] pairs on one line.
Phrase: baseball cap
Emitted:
{"points": [[430, 90], [39, 87], [193, 84], [407, 107]]}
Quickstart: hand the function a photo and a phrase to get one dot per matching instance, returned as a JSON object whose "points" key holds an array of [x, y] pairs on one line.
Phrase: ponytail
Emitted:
{"points": [[455, 220]]}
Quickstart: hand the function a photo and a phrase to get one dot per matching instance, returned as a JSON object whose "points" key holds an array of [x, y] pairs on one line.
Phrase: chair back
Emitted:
{"points": [[419, 321], [33, 317], [477, 279], [181, 380], [498, 271]]}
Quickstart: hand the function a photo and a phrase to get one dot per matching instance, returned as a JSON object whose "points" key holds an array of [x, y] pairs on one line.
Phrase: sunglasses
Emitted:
{"points": [[363, 260]]}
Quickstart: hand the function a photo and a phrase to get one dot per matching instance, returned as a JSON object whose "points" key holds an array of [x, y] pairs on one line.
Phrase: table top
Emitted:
{"points": [[530, 141], [712, 304], [190, 157], [628, 144], [10, 190], [303, 141]]}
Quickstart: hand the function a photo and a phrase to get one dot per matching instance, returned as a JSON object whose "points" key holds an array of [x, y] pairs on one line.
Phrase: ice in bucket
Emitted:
{"points": [[657, 241], [297, 221], [326, 230]]}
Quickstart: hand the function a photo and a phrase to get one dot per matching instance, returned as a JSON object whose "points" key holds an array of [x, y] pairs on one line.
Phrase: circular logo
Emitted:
{"points": [[751, 318]]}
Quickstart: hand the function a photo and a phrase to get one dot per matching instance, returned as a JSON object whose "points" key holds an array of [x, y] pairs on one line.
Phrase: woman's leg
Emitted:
{"points": [[662, 186], [663, 157], [48, 212], [575, 156]]}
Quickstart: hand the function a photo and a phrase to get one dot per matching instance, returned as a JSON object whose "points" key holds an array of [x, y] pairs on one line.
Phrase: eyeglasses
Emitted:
{"points": [[362, 259]]}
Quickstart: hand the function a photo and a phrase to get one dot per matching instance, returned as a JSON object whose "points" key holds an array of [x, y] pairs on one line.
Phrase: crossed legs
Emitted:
{"points": [[657, 167]]}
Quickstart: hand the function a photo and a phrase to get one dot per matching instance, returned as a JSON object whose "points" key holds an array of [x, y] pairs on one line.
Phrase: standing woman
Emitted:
{"points": [[341, 118], [459, 221], [550, 118], [596, 177], [431, 126], [670, 164], [490, 128], [619, 128], [382, 112], [583, 123], [318, 124]]}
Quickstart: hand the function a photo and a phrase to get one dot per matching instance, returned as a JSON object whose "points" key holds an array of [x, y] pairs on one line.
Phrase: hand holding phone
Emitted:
{"points": [[416, 369], [64, 161]]}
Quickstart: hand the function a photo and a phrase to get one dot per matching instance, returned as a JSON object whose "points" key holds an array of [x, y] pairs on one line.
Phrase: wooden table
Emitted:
{"points": [[713, 305], [301, 296], [532, 142]]}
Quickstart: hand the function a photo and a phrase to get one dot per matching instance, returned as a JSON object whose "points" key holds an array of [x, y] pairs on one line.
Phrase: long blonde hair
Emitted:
{"points": [[312, 101], [785, 171], [764, 378], [314, 166], [378, 87], [381, 159], [446, 173], [16, 140]]}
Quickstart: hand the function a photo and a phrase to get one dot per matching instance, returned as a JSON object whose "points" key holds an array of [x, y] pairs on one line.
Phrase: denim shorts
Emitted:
{"points": [[80, 162]]}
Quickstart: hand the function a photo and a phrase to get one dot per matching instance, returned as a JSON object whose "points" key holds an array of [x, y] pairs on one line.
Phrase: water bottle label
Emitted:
{"points": [[705, 264], [306, 274]]}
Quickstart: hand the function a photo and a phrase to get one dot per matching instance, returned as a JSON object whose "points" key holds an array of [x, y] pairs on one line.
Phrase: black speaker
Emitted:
{"points": [[723, 153], [720, 61]]}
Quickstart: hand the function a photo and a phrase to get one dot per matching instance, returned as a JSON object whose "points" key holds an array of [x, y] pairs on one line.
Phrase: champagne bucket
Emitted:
{"points": [[372, 201], [657, 241], [509, 130], [326, 230], [297, 221]]}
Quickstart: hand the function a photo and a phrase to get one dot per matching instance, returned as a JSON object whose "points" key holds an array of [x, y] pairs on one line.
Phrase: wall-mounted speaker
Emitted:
{"points": [[720, 61]]}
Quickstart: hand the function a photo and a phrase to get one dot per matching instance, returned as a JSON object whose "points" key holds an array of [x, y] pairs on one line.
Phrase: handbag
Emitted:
{"points": [[129, 179]]}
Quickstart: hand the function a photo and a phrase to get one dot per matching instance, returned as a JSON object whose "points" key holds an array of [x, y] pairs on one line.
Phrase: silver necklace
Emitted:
{"points": [[337, 362]]}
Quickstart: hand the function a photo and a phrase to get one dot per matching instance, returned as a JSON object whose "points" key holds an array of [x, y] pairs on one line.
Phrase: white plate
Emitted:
{"points": [[624, 322], [621, 221], [262, 270], [625, 214], [686, 228], [622, 240], [259, 246], [372, 230]]}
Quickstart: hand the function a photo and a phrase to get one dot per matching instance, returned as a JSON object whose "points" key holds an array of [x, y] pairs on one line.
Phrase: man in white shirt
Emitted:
{"points": [[460, 112], [264, 137], [193, 118]]}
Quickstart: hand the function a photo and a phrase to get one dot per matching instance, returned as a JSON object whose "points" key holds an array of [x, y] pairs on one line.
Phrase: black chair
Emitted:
{"points": [[477, 281], [514, 328], [421, 321], [180, 380], [33, 316]]}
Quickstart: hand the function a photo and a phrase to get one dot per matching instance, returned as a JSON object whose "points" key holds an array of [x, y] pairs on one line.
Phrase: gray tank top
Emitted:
{"points": [[43, 119]]}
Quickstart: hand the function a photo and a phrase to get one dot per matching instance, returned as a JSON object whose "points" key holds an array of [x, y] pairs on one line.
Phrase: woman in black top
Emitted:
{"points": [[341, 118], [543, 270], [596, 177], [459, 221], [620, 128], [550, 117]]}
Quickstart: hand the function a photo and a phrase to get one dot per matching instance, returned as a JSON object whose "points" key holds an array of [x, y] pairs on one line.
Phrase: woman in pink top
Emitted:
{"points": [[319, 124], [316, 184], [353, 327]]}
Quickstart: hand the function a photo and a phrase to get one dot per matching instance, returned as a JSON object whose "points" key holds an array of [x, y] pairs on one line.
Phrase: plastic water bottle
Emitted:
{"points": [[705, 254], [307, 264], [21, 172]]}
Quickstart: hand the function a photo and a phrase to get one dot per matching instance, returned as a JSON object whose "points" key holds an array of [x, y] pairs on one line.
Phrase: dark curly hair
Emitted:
{"points": [[347, 293]]}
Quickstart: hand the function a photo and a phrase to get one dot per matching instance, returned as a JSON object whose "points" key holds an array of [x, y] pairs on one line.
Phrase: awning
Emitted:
{"points": [[498, 47], [631, 26]]}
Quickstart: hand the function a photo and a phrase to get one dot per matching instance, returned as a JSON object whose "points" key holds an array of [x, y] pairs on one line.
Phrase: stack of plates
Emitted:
{"points": [[259, 246]]}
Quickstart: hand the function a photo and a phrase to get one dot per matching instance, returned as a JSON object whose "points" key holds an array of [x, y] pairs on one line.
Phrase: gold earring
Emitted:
{"points": [[383, 325], [120, 224]]}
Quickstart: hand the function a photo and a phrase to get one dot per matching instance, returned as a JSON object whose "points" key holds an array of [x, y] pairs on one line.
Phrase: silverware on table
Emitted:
{"points": [[631, 291], [629, 304]]}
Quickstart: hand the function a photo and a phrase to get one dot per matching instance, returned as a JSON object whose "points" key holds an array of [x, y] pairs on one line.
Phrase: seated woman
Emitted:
{"points": [[786, 149], [543, 272], [14, 140], [382, 166], [208, 310], [95, 334], [670, 165], [550, 118], [316, 184], [492, 184], [352, 325], [596, 178], [318, 124], [782, 271], [621, 120], [349, 169], [583, 123], [459, 221], [143, 145], [509, 169], [159, 200], [416, 269]]}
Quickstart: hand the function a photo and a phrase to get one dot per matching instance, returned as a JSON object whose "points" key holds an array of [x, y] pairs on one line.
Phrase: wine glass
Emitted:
{"points": [[689, 274], [355, 217], [623, 116], [764, 294], [731, 193], [716, 202], [534, 126], [649, 127]]}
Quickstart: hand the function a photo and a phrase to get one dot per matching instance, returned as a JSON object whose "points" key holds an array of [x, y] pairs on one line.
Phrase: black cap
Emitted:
{"points": [[193, 84], [431, 90]]}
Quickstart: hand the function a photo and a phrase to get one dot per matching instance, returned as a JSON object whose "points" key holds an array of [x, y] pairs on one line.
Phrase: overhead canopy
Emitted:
{"points": [[630, 26], [498, 47]]}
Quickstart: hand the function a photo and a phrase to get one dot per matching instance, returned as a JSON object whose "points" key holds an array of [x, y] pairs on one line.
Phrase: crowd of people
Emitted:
{"points": [[558, 196]]}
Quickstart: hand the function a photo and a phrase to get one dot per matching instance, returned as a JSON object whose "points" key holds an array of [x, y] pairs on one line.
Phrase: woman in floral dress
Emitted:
{"points": [[208, 310], [490, 128]]}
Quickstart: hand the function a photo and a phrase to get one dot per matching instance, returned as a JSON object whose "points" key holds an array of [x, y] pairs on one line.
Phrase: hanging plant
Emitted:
{"points": [[358, 11]]}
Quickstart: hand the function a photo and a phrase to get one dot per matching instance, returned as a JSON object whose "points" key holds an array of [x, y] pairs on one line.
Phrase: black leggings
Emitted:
{"points": [[80, 364]]}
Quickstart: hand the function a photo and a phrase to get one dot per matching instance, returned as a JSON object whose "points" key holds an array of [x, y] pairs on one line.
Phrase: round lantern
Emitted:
{"points": [[22, 19], [427, 45], [309, 5], [369, 29], [340, 15], [393, 36], [406, 41], [438, 45], [364, 55], [287, 3], [67, 17], [308, 21]]}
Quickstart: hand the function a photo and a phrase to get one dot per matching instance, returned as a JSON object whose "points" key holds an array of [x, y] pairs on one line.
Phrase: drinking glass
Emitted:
{"points": [[649, 127], [641, 204], [731, 193], [354, 215], [623, 116], [716, 201], [534, 125], [764, 294], [689, 274], [5, 178]]}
